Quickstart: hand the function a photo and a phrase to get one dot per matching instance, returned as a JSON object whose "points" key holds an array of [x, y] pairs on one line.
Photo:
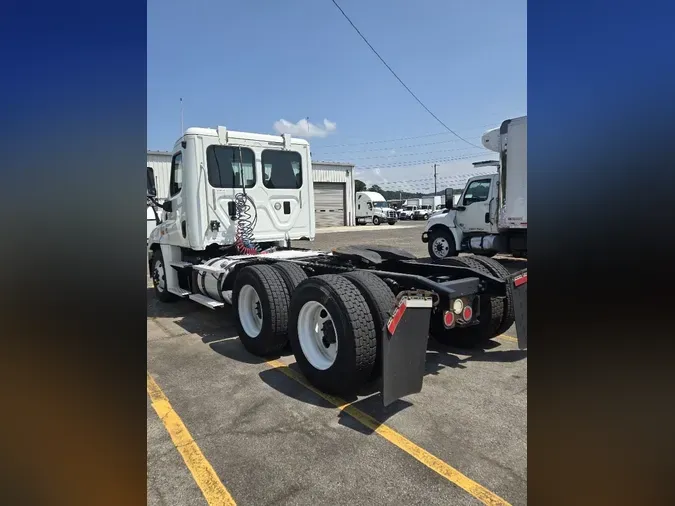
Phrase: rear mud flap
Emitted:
{"points": [[519, 281], [404, 349]]}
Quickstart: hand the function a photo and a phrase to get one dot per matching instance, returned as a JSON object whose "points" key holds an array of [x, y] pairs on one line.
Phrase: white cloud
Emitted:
{"points": [[304, 128]]}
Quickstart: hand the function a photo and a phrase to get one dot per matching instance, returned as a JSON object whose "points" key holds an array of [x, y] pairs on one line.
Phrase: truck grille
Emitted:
{"points": [[391, 214]]}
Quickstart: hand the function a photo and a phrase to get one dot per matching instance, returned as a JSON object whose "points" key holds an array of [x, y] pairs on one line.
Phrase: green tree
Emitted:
{"points": [[359, 185], [375, 188]]}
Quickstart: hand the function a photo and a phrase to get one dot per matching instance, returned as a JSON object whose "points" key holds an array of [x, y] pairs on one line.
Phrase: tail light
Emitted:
{"points": [[448, 319], [467, 314]]}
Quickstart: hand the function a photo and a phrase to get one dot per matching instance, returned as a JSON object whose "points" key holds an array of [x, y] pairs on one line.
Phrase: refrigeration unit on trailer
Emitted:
{"points": [[372, 207], [491, 214], [351, 315]]}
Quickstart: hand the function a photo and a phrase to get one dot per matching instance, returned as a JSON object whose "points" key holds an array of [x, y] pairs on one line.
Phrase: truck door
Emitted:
{"points": [[174, 222], [473, 211]]}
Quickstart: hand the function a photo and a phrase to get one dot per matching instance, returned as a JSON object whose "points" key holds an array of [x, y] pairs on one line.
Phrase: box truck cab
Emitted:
{"points": [[372, 207], [491, 214]]}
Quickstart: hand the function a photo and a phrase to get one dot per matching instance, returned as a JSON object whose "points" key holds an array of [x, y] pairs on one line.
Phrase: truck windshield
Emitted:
{"points": [[380, 204]]}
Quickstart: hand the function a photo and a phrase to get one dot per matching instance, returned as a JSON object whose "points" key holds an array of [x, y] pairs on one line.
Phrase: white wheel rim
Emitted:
{"points": [[158, 276], [440, 247], [250, 311], [315, 330]]}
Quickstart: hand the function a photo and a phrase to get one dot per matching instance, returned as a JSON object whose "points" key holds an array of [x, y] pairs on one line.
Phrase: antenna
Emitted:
{"points": [[181, 117]]}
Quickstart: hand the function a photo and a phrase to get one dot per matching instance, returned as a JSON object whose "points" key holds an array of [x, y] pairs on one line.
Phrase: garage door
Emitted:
{"points": [[329, 204]]}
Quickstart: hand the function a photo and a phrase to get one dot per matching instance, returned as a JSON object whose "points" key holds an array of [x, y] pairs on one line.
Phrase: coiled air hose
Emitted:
{"points": [[244, 239]]}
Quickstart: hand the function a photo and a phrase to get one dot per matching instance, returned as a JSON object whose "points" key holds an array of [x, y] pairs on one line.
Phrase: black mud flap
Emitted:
{"points": [[519, 281], [404, 349]]}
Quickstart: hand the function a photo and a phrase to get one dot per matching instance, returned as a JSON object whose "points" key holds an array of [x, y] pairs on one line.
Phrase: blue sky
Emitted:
{"points": [[256, 64]]}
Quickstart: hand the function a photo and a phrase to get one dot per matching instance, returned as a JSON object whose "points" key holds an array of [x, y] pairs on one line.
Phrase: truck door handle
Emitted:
{"points": [[232, 210], [287, 207], [487, 217]]}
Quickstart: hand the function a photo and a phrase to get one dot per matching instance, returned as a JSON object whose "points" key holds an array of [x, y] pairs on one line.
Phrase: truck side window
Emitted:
{"points": [[176, 181], [282, 169], [370, 206], [230, 166], [477, 191]]}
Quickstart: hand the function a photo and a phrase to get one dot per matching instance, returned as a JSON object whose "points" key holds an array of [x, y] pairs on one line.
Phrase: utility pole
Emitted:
{"points": [[181, 117], [435, 179]]}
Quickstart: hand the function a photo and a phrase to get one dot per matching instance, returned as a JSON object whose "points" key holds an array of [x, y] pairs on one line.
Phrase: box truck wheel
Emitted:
{"points": [[489, 319], [376, 220], [159, 278], [332, 334], [261, 299], [441, 244], [381, 302], [426, 216]]}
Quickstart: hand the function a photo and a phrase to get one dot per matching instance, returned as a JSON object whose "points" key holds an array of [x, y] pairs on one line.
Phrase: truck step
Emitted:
{"points": [[179, 291], [180, 265], [207, 268], [206, 301]]}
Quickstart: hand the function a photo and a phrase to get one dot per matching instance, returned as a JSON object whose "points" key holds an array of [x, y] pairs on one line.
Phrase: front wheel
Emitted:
{"points": [[426, 217], [392, 222], [441, 245], [376, 220], [159, 278]]}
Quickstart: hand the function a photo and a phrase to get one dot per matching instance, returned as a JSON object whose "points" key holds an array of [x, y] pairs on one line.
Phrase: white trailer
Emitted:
{"points": [[491, 215], [351, 315], [372, 207]]}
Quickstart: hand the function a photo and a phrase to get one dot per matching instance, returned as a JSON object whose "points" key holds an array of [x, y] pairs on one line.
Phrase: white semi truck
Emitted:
{"points": [[491, 214], [427, 207], [372, 207], [351, 315]]}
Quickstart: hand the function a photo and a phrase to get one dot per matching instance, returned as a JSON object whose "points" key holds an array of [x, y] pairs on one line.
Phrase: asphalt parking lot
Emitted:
{"points": [[226, 427]]}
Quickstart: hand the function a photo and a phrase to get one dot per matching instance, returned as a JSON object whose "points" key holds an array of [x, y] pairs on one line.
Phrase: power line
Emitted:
{"points": [[399, 79], [414, 163], [402, 138], [398, 155]]}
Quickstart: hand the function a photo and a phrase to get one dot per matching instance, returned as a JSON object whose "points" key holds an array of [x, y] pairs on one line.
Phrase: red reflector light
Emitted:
{"points": [[467, 313], [448, 319], [521, 280]]}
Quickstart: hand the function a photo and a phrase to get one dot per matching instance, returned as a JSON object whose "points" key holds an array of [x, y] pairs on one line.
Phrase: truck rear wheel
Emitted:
{"points": [[489, 320], [441, 244], [292, 273], [381, 302], [332, 333], [158, 274], [501, 272], [261, 299]]}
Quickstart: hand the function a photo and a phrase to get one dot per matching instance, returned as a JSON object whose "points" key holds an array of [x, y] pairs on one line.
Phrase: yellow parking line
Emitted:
{"points": [[206, 478], [508, 338], [426, 458]]}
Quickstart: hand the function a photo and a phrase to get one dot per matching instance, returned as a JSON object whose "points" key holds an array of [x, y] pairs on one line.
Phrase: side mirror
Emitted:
{"points": [[166, 205], [449, 202], [151, 189]]}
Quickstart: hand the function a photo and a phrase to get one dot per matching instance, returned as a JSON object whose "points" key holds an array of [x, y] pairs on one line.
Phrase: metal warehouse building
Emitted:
{"points": [[333, 188]]}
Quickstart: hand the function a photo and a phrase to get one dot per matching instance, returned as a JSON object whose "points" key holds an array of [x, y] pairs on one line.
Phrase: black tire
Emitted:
{"points": [[501, 272], [292, 273], [489, 320], [376, 220], [274, 302], [445, 234], [392, 222], [381, 302], [162, 295], [354, 332], [425, 217]]}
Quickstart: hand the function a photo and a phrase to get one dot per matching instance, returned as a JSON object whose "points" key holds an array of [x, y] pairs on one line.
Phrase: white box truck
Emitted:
{"points": [[372, 207], [351, 315], [427, 207], [491, 214], [408, 209]]}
